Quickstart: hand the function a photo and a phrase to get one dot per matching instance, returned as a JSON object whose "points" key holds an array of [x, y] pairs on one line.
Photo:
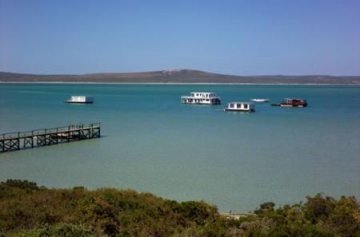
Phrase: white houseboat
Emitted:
{"points": [[80, 99], [240, 107], [206, 98]]}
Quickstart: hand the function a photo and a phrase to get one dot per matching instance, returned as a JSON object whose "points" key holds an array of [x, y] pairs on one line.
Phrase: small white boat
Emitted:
{"points": [[260, 100], [240, 107], [206, 98], [80, 99]]}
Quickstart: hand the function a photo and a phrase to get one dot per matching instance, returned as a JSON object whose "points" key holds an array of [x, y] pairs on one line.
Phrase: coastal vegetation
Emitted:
{"points": [[27, 209]]}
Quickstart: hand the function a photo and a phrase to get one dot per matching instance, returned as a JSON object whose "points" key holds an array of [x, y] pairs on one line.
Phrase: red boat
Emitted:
{"points": [[291, 102]]}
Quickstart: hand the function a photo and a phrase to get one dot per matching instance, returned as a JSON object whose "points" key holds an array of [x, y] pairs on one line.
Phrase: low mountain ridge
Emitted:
{"points": [[180, 76]]}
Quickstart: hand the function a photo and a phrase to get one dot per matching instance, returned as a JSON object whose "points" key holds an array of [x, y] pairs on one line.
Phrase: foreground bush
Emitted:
{"points": [[29, 210]]}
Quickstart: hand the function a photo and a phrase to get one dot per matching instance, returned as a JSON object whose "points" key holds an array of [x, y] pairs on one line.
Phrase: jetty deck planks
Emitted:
{"points": [[46, 137]]}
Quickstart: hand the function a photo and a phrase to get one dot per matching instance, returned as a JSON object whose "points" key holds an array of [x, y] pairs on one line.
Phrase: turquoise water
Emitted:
{"points": [[153, 143]]}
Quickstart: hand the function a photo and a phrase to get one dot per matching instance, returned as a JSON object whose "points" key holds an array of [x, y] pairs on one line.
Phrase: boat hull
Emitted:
{"points": [[78, 102], [239, 110], [292, 106], [260, 100], [201, 102]]}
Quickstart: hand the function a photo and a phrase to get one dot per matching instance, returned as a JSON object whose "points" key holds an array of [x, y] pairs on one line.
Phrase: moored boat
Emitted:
{"points": [[206, 98], [292, 102], [80, 99], [260, 100], [240, 107]]}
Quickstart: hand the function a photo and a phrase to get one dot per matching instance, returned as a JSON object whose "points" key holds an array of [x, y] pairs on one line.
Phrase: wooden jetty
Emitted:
{"points": [[45, 137]]}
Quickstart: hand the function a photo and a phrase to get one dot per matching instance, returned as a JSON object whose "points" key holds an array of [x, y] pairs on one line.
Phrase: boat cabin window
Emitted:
{"points": [[246, 106]]}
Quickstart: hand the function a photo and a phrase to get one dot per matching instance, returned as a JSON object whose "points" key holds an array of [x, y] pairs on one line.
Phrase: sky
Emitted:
{"points": [[239, 37]]}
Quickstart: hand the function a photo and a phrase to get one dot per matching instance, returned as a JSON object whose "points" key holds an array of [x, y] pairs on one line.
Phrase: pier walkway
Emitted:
{"points": [[45, 137]]}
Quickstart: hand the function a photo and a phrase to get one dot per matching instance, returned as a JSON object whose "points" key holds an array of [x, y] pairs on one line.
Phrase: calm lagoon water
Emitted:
{"points": [[153, 143]]}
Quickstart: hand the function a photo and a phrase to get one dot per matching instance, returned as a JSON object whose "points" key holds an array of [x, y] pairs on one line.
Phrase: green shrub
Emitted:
{"points": [[29, 210]]}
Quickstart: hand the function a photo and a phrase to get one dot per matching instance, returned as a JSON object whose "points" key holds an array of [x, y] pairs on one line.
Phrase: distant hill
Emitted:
{"points": [[181, 76]]}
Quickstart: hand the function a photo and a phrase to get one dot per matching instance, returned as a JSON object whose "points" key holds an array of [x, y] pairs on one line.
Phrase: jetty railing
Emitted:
{"points": [[45, 137]]}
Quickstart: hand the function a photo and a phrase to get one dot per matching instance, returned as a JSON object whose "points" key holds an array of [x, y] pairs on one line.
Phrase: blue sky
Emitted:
{"points": [[239, 37]]}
